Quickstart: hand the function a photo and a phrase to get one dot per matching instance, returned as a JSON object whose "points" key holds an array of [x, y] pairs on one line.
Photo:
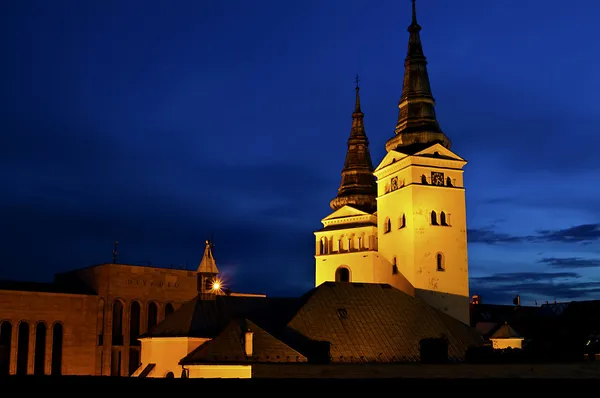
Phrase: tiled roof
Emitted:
{"points": [[334, 322], [207, 318], [366, 322], [228, 347]]}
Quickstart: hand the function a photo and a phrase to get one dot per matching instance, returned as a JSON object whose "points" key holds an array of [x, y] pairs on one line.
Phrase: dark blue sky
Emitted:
{"points": [[161, 123]]}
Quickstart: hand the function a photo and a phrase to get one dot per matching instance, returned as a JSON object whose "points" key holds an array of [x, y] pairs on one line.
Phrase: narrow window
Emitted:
{"points": [[39, 359], [449, 182], [394, 266], [388, 225], [169, 309], [434, 218], [423, 179], [134, 323], [57, 344], [152, 315], [440, 262], [402, 221], [5, 343], [22, 348], [117, 323], [443, 218]]}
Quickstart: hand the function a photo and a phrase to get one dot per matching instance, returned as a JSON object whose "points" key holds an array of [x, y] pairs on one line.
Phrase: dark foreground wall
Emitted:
{"points": [[152, 387]]}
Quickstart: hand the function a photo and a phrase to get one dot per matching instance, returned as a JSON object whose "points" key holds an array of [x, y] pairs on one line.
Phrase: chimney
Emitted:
{"points": [[248, 343]]}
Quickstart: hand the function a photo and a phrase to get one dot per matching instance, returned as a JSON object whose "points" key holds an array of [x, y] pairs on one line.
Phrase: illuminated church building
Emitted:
{"points": [[391, 282], [404, 222]]}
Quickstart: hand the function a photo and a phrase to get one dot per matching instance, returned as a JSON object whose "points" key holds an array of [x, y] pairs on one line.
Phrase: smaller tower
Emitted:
{"points": [[208, 283]]}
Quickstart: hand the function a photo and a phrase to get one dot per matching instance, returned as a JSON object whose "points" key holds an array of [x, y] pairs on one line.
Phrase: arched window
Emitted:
{"points": [[434, 218], [100, 322], [169, 309], [208, 284], [394, 266], [134, 323], [152, 315], [449, 181], [117, 323], [170, 375], [22, 348], [443, 218], [423, 179], [5, 343], [439, 258], [402, 221], [342, 274], [39, 358], [388, 225], [57, 344]]}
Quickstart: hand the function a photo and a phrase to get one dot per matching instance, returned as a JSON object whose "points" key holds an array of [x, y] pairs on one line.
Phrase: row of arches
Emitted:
{"points": [[346, 243], [135, 317], [41, 348]]}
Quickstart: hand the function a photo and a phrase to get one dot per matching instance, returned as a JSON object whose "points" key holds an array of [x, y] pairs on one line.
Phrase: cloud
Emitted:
{"points": [[502, 287], [490, 237], [570, 262], [578, 234]]}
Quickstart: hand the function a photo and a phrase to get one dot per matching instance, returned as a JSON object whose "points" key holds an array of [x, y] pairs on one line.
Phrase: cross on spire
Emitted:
{"points": [[357, 80]]}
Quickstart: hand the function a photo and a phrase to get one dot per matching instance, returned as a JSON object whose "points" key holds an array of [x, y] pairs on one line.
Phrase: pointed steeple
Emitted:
{"points": [[417, 123], [358, 188], [208, 264], [207, 274]]}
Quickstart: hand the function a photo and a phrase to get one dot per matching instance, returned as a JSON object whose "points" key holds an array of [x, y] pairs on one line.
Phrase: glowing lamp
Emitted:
{"points": [[216, 285]]}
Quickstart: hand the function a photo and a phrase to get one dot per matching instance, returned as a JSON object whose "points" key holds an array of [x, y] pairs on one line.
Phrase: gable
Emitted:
{"points": [[390, 158], [229, 347], [441, 151], [346, 211]]}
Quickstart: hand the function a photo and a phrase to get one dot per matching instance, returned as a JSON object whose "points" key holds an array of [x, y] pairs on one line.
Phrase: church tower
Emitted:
{"points": [[421, 206], [208, 282], [346, 246]]}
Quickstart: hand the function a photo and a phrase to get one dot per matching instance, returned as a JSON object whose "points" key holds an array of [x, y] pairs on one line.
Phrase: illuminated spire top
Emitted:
{"points": [[208, 264], [358, 188], [417, 122]]}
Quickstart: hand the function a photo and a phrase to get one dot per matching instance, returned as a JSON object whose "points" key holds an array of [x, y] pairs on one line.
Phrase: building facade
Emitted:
{"points": [[88, 320], [404, 221]]}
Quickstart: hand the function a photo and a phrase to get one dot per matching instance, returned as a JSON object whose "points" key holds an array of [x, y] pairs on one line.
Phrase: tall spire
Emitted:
{"points": [[207, 281], [358, 188], [417, 122]]}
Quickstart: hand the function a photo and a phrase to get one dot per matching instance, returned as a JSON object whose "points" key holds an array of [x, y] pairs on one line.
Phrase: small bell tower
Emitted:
{"points": [[207, 274]]}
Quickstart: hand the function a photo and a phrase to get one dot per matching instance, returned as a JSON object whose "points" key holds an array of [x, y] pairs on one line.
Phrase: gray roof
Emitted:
{"points": [[334, 322]]}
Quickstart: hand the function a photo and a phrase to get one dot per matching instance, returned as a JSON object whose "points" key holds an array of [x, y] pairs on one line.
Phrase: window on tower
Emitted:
{"points": [[423, 179], [439, 258], [449, 182], [434, 218], [402, 221], [443, 219], [388, 225], [342, 274]]}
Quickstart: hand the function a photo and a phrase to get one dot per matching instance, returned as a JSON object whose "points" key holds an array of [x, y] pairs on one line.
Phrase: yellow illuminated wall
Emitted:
{"points": [[500, 344], [165, 353], [422, 226]]}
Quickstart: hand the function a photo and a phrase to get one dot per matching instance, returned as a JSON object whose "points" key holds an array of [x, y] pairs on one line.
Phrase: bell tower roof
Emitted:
{"points": [[208, 265], [417, 123], [357, 188]]}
